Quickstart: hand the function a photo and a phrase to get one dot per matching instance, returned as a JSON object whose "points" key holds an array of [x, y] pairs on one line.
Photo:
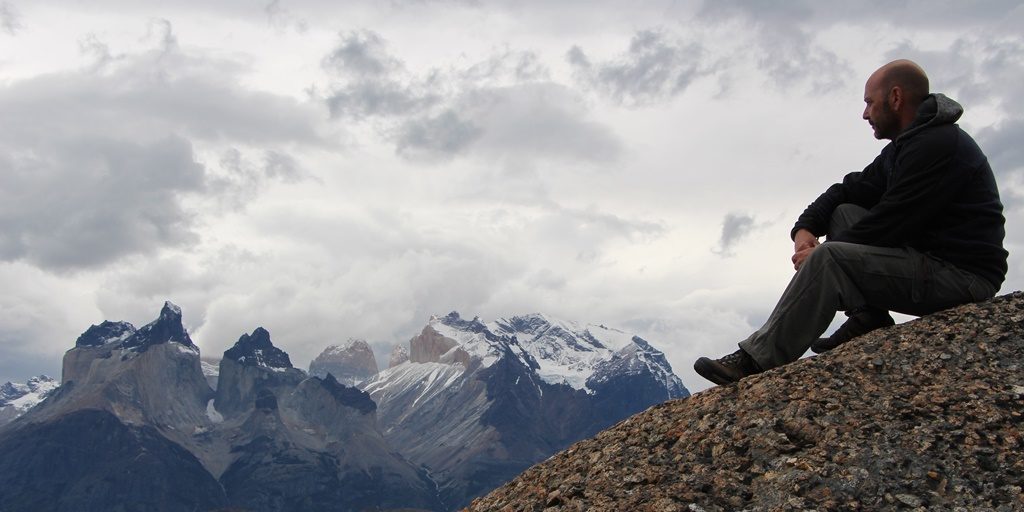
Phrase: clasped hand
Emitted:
{"points": [[803, 243]]}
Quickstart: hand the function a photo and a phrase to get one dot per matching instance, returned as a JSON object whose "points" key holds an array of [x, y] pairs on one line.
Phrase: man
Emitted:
{"points": [[920, 229]]}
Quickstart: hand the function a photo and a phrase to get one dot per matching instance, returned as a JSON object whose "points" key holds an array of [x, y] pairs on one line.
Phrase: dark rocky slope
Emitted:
{"points": [[926, 415], [89, 460]]}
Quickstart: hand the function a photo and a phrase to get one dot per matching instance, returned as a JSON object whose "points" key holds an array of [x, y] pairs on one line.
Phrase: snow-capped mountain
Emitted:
{"points": [[466, 406], [350, 363], [16, 398], [478, 402], [574, 354]]}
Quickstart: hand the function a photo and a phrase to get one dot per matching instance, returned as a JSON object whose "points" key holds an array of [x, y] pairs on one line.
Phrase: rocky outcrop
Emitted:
{"points": [[251, 365], [104, 333], [89, 460], [164, 329], [350, 363], [133, 399], [133, 375], [318, 449], [431, 346], [399, 355], [925, 415]]}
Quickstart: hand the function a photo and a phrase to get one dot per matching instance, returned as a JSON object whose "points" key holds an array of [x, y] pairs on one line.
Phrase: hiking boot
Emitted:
{"points": [[860, 322], [728, 369]]}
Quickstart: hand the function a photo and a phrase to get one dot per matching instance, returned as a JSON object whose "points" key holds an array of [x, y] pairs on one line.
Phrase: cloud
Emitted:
{"points": [[362, 54], [371, 82], [9, 19], [281, 18], [503, 107], [89, 202], [977, 71], [441, 136], [101, 163], [735, 227], [41, 315], [518, 122], [241, 175], [997, 15], [653, 69]]}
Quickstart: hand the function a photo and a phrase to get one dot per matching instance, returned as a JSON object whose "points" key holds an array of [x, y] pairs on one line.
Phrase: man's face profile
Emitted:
{"points": [[878, 112]]}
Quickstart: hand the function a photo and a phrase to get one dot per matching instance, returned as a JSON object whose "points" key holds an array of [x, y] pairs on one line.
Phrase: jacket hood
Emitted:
{"points": [[935, 110]]}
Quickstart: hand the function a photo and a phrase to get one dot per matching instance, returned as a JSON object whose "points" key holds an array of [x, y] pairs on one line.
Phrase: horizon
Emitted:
{"points": [[347, 170]]}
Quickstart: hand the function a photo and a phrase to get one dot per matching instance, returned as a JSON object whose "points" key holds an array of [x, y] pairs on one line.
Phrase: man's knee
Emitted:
{"points": [[824, 254]]}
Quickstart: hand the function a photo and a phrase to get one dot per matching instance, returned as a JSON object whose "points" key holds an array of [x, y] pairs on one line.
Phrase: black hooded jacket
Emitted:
{"points": [[930, 189]]}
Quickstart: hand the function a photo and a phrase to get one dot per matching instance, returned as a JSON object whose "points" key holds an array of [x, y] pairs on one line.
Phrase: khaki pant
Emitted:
{"points": [[840, 276]]}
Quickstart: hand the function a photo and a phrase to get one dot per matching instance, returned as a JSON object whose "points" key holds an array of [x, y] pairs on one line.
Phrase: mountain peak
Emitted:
{"points": [[171, 310], [256, 349], [350, 362], [105, 332], [166, 328], [922, 415]]}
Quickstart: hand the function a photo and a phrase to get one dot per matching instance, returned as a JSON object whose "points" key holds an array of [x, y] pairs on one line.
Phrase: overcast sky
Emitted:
{"points": [[332, 169]]}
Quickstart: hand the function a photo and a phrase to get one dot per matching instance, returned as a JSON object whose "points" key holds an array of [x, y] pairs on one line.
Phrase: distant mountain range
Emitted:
{"points": [[16, 398], [140, 422]]}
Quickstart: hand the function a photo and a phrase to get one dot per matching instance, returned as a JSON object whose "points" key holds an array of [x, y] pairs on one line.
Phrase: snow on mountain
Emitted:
{"points": [[257, 350], [17, 398], [424, 380], [211, 371], [562, 352], [106, 332]]}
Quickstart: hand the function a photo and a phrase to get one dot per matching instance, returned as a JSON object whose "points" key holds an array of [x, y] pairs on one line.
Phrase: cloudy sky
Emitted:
{"points": [[330, 170]]}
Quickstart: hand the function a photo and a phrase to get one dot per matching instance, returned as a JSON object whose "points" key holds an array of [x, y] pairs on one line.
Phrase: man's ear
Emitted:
{"points": [[896, 98]]}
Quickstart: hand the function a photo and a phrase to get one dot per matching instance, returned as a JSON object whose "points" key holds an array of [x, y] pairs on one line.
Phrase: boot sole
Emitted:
{"points": [[705, 368]]}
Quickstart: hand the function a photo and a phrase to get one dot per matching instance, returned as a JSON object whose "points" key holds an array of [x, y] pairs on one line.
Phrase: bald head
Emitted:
{"points": [[907, 75], [892, 95]]}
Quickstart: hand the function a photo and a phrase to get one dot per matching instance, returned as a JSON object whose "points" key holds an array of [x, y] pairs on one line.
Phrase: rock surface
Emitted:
{"points": [[926, 415], [399, 355], [350, 363], [251, 365]]}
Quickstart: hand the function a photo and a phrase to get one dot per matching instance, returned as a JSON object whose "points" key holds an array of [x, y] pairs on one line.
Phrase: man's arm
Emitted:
{"points": [[863, 188]]}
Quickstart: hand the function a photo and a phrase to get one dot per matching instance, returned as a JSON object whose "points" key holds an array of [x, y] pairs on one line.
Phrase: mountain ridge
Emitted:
{"points": [[509, 393], [253, 431]]}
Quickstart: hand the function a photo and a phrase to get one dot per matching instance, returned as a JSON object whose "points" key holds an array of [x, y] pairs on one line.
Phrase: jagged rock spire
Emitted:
{"points": [[256, 349], [167, 327]]}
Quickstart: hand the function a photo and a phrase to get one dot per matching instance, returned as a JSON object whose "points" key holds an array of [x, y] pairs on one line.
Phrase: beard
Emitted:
{"points": [[886, 123]]}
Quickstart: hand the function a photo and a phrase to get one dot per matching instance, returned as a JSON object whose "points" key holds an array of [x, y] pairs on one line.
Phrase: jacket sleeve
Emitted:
{"points": [[864, 188], [924, 182]]}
